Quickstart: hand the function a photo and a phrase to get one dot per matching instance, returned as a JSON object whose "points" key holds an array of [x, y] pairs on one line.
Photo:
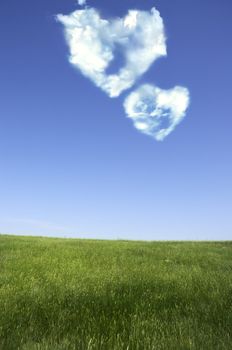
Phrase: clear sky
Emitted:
{"points": [[71, 162]]}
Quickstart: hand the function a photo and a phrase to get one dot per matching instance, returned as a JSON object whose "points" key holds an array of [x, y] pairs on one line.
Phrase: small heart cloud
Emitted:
{"points": [[94, 44], [157, 112]]}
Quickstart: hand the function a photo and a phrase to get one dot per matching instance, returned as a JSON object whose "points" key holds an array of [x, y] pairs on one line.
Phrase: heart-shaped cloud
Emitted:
{"points": [[94, 43], [157, 112]]}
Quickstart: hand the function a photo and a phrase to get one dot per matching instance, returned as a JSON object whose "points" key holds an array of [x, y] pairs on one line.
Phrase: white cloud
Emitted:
{"points": [[94, 43], [157, 112], [81, 2]]}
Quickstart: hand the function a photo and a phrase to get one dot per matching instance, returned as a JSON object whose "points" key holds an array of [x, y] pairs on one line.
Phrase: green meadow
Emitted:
{"points": [[88, 294]]}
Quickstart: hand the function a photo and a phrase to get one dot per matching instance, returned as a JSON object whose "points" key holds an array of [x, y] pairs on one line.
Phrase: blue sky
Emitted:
{"points": [[72, 164]]}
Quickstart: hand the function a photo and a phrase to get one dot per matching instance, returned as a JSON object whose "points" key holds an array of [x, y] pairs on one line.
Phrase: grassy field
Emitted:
{"points": [[77, 294]]}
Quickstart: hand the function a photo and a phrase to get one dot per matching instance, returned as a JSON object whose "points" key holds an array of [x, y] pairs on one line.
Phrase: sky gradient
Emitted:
{"points": [[72, 164]]}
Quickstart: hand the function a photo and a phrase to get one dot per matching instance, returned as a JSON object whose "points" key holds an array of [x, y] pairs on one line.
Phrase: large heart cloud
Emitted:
{"points": [[95, 42], [157, 112]]}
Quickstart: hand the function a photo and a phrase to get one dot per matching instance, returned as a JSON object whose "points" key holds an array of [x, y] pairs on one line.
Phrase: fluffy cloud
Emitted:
{"points": [[81, 2], [157, 112], [95, 42]]}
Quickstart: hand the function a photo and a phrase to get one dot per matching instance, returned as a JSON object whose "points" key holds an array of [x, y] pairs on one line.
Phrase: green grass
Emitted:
{"points": [[77, 294]]}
